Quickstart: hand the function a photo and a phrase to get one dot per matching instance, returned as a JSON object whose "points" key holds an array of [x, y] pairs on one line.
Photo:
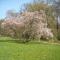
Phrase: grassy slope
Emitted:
{"points": [[10, 50]]}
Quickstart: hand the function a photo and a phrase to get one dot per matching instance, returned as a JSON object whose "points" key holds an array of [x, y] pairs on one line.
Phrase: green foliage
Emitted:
{"points": [[58, 34], [36, 6]]}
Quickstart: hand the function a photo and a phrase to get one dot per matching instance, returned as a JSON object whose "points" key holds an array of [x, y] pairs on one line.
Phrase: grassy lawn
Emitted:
{"points": [[12, 50]]}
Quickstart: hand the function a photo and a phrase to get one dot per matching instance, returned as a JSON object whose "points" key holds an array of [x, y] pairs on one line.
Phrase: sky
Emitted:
{"points": [[6, 5]]}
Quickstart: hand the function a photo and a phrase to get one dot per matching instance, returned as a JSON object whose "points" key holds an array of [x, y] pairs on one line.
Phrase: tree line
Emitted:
{"points": [[52, 11]]}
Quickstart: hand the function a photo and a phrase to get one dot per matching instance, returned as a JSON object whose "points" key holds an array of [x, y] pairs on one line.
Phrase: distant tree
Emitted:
{"points": [[56, 7], [11, 13]]}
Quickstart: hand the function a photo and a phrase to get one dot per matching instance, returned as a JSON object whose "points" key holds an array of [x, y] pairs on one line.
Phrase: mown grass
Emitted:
{"points": [[12, 50]]}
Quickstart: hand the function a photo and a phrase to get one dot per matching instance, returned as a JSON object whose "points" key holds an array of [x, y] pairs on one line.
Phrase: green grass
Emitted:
{"points": [[12, 50]]}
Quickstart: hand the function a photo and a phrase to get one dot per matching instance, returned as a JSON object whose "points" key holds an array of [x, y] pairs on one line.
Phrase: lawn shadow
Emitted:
{"points": [[11, 41], [20, 42]]}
